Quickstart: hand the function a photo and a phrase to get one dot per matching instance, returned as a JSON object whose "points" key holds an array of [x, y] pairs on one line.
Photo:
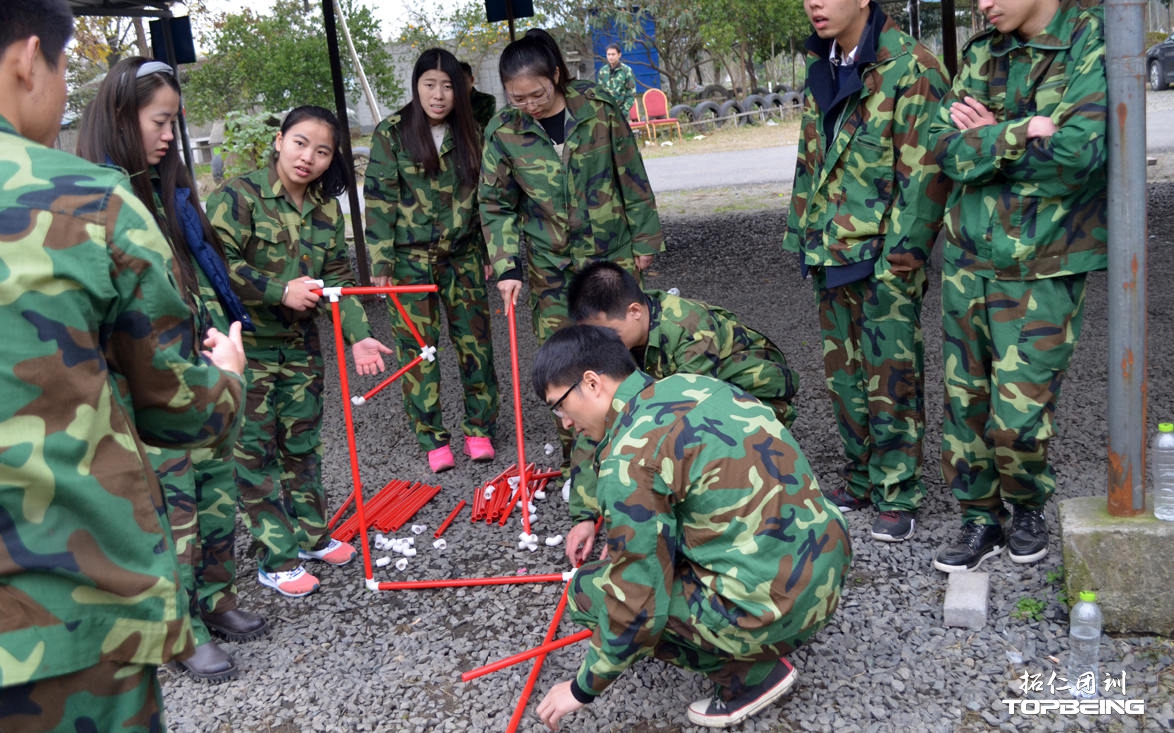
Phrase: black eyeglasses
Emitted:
{"points": [[555, 407]]}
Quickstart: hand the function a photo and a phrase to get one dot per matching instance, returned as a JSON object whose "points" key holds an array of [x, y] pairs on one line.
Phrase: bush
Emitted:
{"points": [[248, 138]]}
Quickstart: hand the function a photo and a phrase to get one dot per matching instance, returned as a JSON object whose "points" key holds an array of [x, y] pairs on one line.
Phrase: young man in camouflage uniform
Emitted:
{"points": [[618, 79], [1022, 133], [722, 555], [865, 209], [668, 334], [100, 357], [484, 105]]}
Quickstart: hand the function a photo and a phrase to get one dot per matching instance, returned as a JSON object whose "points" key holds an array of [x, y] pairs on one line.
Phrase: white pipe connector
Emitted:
{"points": [[383, 562], [358, 400], [409, 552], [567, 491], [419, 528], [372, 584], [528, 538], [401, 564], [440, 544], [333, 294], [548, 449], [554, 541], [514, 481], [540, 495], [428, 353]]}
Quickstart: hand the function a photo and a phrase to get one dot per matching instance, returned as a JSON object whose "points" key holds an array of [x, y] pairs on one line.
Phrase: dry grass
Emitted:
{"points": [[725, 138]]}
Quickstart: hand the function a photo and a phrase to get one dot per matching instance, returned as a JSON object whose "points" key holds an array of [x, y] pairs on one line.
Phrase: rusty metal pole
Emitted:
{"points": [[1127, 255]]}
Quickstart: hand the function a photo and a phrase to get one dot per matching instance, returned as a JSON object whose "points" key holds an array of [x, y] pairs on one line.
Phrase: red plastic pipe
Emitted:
{"points": [[382, 290], [511, 317], [464, 582], [448, 520], [551, 630], [408, 320], [528, 654], [396, 375]]}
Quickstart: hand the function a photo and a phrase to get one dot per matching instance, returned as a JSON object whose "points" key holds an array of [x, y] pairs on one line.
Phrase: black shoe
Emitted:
{"points": [[236, 625], [1029, 535], [844, 500], [893, 526], [718, 713], [210, 663], [978, 542]]}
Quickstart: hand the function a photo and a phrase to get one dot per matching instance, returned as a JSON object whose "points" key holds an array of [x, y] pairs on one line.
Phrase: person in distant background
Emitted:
{"points": [[617, 79], [484, 105]]}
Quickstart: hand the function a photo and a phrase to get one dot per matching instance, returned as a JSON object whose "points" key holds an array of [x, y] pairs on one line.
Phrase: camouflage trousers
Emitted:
{"points": [[279, 457], [873, 357], [1006, 345], [110, 696], [199, 489], [732, 659], [460, 278], [550, 284]]}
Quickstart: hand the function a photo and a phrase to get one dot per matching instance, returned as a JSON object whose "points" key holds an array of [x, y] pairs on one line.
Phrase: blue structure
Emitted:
{"points": [[642, 57]]}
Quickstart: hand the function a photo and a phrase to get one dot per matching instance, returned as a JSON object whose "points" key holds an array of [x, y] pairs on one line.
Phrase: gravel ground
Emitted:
{"points": [[348, 659]]}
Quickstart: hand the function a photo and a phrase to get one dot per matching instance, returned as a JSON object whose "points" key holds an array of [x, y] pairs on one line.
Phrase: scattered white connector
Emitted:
{"points": [[419, 528], [428, 353], [567, 491], [554, 541], [358, 400], [409, 552], [401, 564], [383, 562], [527, 537], [514, 481], [540, 495], [667, 144], [440, 544], [548, 449], [488, 492]]}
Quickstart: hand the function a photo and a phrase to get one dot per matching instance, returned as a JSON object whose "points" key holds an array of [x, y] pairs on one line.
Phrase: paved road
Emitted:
{"points": [[777, 165]]}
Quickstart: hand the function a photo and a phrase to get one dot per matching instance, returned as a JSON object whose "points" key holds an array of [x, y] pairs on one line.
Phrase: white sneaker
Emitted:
{"points": [[293, 583]]}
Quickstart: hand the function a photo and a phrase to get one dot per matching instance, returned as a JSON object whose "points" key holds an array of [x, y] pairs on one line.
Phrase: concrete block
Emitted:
{"points": [[1128, 561], [966, 600]]}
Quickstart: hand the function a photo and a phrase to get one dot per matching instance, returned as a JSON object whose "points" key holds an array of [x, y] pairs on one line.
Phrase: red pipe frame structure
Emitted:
{"points": [[400, 514]]}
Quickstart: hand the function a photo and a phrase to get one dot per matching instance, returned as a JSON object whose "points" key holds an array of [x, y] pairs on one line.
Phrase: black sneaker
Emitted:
{"points": [[1029, 535], [715, 712], [893, 526], [978, 542], [843, 499]]}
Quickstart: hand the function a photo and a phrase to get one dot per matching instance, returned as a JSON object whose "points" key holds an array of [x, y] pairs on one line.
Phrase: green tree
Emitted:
{"points": [[679, 47], [277, 61]]}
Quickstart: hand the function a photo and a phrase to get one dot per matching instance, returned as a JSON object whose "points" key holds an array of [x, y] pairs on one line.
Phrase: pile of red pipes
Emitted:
{"points": [[389, 509], [495, 500]]}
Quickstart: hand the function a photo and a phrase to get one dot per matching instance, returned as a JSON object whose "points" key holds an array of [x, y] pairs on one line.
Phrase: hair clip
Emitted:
{"points": [[154, 67]]}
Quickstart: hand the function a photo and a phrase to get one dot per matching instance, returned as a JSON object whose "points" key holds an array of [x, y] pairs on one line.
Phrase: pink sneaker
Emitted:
{"points": [[293, 583], [335, 553], [440, 459], [479, 449]]}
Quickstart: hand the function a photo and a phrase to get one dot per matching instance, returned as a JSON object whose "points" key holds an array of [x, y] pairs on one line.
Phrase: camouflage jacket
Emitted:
{"points": [[620, 83], [101, 356], [699, 480], [484, 106], [697, 338], [269, 242], [1024, 209], [873, 188], [593, 202], [406, 206]]}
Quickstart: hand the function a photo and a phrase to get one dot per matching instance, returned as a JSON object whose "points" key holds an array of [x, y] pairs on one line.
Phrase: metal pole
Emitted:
{"points": [[345, 143], [1125, 69], [346, 34], [181, 120], [950, 37]]}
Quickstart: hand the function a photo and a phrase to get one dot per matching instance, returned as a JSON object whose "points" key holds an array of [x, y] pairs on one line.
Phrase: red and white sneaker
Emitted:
{"points": [[293, 583], [335, 553]]}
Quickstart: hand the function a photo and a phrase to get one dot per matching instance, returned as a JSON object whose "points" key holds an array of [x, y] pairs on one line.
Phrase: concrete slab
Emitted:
{"points": [[966, 600], [1126, 560]]}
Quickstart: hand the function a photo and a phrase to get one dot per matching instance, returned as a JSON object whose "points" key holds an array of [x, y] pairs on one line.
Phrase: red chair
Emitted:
{"points": [[656, 111], [634, 121]]}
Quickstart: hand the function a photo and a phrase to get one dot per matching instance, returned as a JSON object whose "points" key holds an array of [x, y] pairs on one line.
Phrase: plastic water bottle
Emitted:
{"points": [[1162, 471], [1084, 645]]}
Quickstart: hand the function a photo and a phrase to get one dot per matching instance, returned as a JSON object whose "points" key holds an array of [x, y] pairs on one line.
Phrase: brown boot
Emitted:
{"points": [[210, 663], [236, 625]]}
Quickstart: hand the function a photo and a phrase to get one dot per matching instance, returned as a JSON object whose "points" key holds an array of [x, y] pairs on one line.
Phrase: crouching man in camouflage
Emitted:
{"points": [[722, 554]]}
